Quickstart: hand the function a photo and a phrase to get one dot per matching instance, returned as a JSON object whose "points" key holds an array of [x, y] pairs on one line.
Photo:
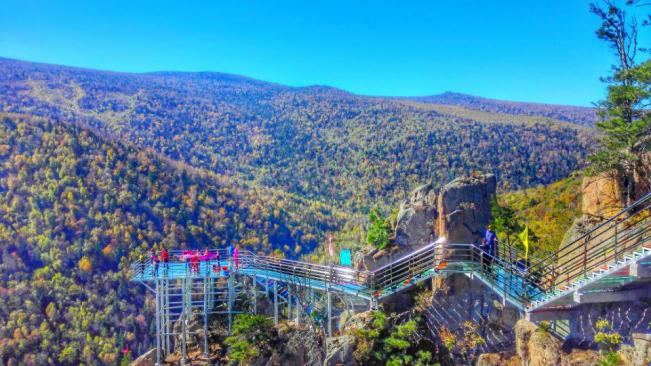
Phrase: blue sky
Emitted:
{"points": [[515, 50]]}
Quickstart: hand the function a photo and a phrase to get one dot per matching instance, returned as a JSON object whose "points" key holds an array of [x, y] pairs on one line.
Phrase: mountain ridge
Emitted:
{"points": [[446, 97], [318, 142]]}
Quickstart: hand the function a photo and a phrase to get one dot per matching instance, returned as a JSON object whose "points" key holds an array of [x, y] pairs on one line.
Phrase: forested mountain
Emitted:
{"points": [[97, 167], [548, 211], [317, 142], [74, 208], [579, 115]]}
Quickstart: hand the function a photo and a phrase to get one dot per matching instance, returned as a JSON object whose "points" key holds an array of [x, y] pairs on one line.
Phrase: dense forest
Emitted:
{"points": [[97, 167], [548, 211], [318, 142], [579, 115], [74, 208]]}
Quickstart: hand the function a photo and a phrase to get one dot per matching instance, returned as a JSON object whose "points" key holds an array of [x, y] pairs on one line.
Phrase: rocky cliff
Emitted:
{"points": [[459, 211]]}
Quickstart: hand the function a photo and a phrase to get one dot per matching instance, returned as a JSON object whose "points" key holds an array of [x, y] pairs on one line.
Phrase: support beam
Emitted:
{"points": [[166, 313], [205, 315], [612, 296], [289, 302], [329, 315], [231, 278], [549, 315], [255, 295], [276, 302], [641, 271], [158, 332], [184, 321]]}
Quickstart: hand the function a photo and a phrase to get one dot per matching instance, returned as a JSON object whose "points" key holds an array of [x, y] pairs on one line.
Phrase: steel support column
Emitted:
{"points": [[205, 315], [275, 302], [329, 315], [158, 332]]}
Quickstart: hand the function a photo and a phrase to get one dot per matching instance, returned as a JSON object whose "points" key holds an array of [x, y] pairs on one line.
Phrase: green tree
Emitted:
{"points": [[379, 231], [251, 336], [625, 115]]}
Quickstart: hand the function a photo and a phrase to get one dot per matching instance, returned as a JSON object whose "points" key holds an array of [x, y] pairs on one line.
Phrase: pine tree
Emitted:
{"points": [[625, 116]]}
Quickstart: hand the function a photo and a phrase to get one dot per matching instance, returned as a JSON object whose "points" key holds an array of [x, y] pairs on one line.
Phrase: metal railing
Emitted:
{"points": [[507, 272], [602, 246]]}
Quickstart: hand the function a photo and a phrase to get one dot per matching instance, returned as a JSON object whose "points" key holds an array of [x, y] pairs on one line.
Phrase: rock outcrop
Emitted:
{"points": [[639, 353], [457, 298], [146, 359], [602, 195], [340, 351], [460, 212], [464, 208], [499, 359], [416, 221]]}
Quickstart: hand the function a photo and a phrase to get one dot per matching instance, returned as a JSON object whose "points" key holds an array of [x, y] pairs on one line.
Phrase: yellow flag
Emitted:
{"points": [[524, 238]]}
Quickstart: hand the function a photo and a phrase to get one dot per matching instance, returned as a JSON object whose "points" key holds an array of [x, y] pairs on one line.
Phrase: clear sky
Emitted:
{"points": [[542, 51]]}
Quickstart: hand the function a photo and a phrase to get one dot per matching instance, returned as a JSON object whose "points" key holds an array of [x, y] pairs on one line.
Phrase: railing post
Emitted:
{"points": [[276, 302], [329, 315], [255, 295], [585, 257], [615, 243]]}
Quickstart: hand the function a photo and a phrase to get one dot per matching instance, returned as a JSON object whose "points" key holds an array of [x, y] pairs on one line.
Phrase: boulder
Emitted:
{"points": [[340, 351], [300, 347], [642, 347], [582, 357], [498, 359], [146, 359], [415, 224], [536, 347], [602, 195], [464, 208]]}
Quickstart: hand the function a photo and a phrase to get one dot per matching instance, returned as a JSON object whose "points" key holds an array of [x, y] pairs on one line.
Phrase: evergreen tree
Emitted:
{"points": [[379, 230], [625, 114]]}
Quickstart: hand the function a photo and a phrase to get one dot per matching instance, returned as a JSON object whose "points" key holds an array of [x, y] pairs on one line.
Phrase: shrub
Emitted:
{"points": [[251, 336]]}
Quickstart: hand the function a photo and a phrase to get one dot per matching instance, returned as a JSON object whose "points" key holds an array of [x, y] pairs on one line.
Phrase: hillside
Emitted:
{"points": [[319, 143], [579, 115], [74, 207], [548, 210]]}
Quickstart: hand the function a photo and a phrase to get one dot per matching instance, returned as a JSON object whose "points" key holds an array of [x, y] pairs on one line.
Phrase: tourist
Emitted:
{"points": [[143, 265], [489, 248], [236, 257], [154, 263], [165, 257], [194, 262]]}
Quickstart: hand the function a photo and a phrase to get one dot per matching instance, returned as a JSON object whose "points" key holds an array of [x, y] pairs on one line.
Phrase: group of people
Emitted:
{"points": [[191, 258]]}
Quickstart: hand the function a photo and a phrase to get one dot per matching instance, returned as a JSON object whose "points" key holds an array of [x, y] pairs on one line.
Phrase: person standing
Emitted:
{"points": [[165, 257], [143, 265], [154, 262], [236, 257], [489, 247]]}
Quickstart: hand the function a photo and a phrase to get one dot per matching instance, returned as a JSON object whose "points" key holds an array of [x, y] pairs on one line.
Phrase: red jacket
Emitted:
{"points": [[165, 256]]}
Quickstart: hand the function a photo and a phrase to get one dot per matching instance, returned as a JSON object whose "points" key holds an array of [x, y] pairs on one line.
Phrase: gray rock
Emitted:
{"points": [[340, 351], [146, 359], [464, 208]]}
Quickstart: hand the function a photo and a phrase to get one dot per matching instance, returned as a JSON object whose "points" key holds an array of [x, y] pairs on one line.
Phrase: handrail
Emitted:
{"points": [[622, 212], [515, 278]]}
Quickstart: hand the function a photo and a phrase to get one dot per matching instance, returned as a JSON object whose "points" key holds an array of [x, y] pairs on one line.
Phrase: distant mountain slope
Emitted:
{"points": [[579, 115], [548, 210], [74, 208], [317, 142]]}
